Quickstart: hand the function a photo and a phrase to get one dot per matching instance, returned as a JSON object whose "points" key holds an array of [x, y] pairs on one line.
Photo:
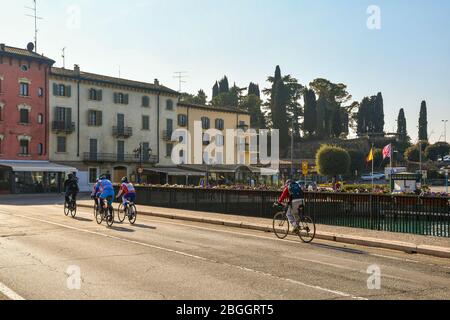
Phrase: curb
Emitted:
{"points": [[407, 247]]}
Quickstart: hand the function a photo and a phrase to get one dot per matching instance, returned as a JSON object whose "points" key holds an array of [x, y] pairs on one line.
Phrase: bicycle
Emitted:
{"points": [[70, 207], [105, 214], [130, 211], [281, 225]]}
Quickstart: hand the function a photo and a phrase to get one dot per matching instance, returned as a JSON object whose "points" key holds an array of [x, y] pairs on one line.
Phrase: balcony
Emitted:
{"points": [[167, 135], [243, 126], [118, 158], [63, 127], [122, 132]]}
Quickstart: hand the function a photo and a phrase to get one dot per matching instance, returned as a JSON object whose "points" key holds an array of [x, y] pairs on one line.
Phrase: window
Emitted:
{"points": [[182, 120], [24, 144], [24, 68], [205, 123], [94, 118], [95, 95], [93, 175], [61, 144], [206, 139], [1, 113], [24, 116], [220, 124], [40, 118], [120, 98], [24, 89], [1, 87], [145, 101], [145, 123], [169, 104], [1, 146], [40, 149], [63, 117], [120, 150], [62, 90], [40, 92], [169, 148]]}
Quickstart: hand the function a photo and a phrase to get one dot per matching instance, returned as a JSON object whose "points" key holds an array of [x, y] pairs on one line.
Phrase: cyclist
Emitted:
{"points": [[106, 191], [293, 193], [71, 188], [128, 191], [95, 195]]}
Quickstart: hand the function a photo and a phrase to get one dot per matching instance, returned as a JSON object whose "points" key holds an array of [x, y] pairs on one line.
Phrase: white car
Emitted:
{"points": [[445, 159], [375, 176]]}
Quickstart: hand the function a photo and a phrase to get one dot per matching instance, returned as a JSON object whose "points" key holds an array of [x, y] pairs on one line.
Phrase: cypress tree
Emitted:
{"points": [[278, 108], [321, 118], [215, 90], [423, 122], [310, 117], [224, 87], [378, 114], [401, 125], [254, 89]]}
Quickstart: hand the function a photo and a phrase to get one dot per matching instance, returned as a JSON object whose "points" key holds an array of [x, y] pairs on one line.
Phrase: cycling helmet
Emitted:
{"points": [[289, 181], [70, 176], [124, 180], [102, 177]]}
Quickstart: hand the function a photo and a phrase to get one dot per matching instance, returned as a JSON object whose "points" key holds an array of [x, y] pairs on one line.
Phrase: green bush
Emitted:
{"points": [[332, 161], [437, 150]]}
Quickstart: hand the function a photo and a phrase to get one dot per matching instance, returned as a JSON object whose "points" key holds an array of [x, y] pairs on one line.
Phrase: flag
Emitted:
{"points": [[387, 151], [370, 157]]}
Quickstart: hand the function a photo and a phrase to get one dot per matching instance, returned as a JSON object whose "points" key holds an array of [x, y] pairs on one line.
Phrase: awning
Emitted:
{"points": [[176, 172], [35, 166]]}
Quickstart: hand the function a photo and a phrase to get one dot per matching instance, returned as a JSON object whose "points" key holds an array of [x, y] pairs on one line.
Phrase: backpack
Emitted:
{"points": [[295, 191]]}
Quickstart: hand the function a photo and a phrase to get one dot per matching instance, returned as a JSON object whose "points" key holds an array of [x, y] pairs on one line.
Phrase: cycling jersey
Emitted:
{"points": [[127, 188]]}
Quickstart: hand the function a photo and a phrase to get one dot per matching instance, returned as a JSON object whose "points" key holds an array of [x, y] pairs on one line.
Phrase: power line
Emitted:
{"points": [[181, 75], [36, 18]]}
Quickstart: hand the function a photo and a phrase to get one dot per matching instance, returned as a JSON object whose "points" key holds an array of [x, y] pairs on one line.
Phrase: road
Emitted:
{"points": [[45, 255]]}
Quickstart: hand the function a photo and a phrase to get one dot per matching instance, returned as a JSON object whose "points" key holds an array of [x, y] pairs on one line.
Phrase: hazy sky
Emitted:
{"points": [[408, 59]]}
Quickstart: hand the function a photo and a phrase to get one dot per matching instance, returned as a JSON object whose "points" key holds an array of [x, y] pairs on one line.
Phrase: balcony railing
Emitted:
{"points": [[122, 132], [243, 126], [167, 135], [62, 126], [117, 157]]}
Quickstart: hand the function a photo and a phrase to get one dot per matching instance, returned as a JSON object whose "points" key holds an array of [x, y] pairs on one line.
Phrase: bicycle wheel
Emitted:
{"points": [[95, 210], [132, 214], [281, 225], [121, 214], [110, 217], [73, 210], [99, 216], [307, 231]]}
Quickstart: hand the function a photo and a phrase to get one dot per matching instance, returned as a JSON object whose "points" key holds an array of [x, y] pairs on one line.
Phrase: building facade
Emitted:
{"points": [[106, 125]]}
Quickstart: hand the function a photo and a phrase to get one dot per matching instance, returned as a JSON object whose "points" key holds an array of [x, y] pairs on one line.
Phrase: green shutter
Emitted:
{"points": [[99, 95], [125, 98], [68, 91], [116, 97], [55, 89], [99, 118]]}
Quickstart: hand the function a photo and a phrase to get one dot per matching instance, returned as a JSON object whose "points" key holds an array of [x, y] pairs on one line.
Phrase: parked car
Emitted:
{"points": [[375, 176], [445, 159]]}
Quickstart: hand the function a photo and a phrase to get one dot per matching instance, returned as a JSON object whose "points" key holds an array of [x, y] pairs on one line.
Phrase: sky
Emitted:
{"points": [[401, 49]]}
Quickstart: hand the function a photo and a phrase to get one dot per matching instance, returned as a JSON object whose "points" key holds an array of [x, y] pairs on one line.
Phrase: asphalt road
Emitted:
{"points": [[45, 255]]}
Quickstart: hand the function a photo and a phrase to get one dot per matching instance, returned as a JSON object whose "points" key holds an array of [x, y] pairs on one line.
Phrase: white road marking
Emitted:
{"points": [[334, 292], [10, 294]]}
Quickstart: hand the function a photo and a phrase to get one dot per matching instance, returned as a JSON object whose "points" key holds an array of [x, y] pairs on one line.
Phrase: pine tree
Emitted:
{"points": [[310, 117], [423, 122], [215, 90]]}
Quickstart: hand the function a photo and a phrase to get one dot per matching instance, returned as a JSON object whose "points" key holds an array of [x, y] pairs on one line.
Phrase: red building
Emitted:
{"points": [[23, 104], [24, 129]]}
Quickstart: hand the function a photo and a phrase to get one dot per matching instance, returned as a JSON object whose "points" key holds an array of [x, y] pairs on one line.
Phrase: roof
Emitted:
{"points": [[24, 53], [35, 166], [110, 80], [212, 108]]}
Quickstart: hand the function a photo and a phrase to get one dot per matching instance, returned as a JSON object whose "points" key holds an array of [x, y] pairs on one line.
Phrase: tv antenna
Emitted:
{"points": [[64, 57], [180, 75], [36, 18]]}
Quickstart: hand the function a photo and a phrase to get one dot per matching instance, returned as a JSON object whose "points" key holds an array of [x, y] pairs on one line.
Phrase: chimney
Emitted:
{"points": [[156, 82], [76, 69], [2, 47]]}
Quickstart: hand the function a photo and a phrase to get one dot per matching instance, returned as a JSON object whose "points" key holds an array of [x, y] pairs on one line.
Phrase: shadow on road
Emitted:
{"points": [[82, 219], [142, 226], [336, 248], [121, 229]]}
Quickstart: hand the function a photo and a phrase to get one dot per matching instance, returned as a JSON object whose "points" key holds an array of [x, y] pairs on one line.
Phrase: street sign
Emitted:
{"points": [[305, 167], [424, 174]]}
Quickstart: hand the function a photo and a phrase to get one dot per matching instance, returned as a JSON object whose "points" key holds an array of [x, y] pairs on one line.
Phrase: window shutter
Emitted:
{"points": [[116, 97], [68, 91], [99, 118], [69, 116], [89, 122], [99, 95], [125, 98], [55, 89]]}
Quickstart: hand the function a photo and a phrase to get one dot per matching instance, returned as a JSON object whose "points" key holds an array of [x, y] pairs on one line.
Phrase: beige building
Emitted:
{"points": [[107, 125]]}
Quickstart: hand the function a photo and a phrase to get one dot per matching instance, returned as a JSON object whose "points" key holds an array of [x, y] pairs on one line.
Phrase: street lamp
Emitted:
{"points": [[139, 153]]}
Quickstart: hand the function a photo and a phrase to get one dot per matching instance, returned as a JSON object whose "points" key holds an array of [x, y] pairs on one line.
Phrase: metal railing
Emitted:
{"points": [[117, 157], [405, 214], [62, 126], [167, 135], [122, 132]]}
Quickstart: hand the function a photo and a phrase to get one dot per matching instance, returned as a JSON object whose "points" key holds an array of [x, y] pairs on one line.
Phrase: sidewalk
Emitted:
{"points": [[439, 247]]}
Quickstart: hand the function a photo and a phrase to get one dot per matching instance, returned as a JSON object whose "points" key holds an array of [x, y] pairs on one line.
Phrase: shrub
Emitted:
{"points": [[332, 161]]}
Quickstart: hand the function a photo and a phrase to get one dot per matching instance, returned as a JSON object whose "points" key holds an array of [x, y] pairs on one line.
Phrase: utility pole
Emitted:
{"points": [[180, 75], [36, 18], [445, 130], [292, 149]]}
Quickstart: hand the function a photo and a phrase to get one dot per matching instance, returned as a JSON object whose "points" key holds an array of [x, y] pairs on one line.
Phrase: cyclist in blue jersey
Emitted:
{"points": [[106, 190]]}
